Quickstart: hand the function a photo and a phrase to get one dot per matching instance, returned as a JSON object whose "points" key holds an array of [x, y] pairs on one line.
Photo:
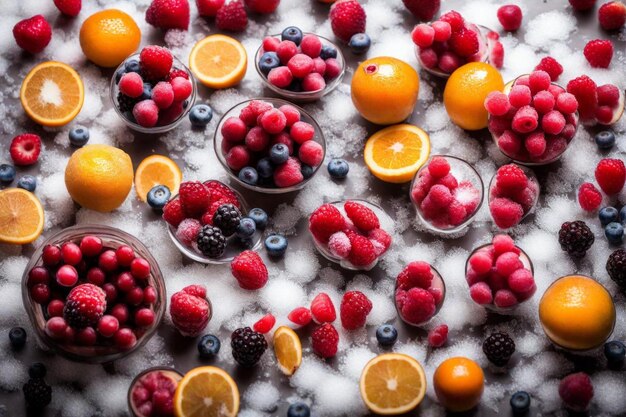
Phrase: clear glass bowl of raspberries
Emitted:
{"points": [[149, 103], [269, 145], [93, 293], [513, 195], [447, 192], [500, 275], [208, 224], [302, 73], [142, 401], [352, 233], [419, 293], [534, 120]]}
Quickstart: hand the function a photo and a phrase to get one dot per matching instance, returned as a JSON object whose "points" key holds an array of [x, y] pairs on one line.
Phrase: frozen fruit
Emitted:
{"points": [[173, 212], [506, 213], [612, 15], [551, 66], [415, 274], [347, 17], [168, 14], [611, 175], [510, 17], [362, 252], [599, 53], [25, 149], [423, 35], [355, 306], [438, 336], [264, 324], [325, 340], [464, 42], [380, 239], [322, 309], [300, 316], [249, 270], [325, 221], [339, 245], [363, 217], [589, 197], [84, 306], [416, 305], [576, 391], [423, 9], [146, 113], [262, 6], [155, 62], [190, 310], [232, 16], [33, 34]]}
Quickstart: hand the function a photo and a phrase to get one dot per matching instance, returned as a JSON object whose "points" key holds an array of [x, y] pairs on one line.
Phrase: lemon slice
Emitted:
{"points": [[21, 216], [206, 391], [288, 350]]}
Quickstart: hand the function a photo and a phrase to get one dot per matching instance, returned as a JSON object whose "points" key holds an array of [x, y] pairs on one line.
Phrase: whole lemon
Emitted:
{"points": [[385, 89], [99, 177]]}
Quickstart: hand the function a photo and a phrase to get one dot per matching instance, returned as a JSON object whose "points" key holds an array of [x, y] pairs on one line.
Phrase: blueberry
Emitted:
{"points": [[264, 168], [27, 182], [132, 65], [614, 233], [279, 154], [246, 228], [292, 34], [147, 92], [615, 351], [607, 215], [307, 171], [276, 245], [268, 62], [520, 402], [158, 196], [118, 75], [17, 337], [360, 43], [208, 346], [200, 115], [79, 136], [249, 175], [338, 168], [386, 334], [37, 370], [328, 52], [622, 215], [7, 173], [605, 139], [298, 410], [259, 216]]}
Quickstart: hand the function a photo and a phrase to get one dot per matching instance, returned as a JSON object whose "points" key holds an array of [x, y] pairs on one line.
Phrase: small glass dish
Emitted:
{"points": [[218, 141], [111, 238], [386, 222], [303, 96], [529, 205], [438, 284], [186, 107], [171, 373], [233, 248], [463, 172]]}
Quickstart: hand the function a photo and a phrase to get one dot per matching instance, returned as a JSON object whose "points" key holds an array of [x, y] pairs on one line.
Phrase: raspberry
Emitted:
{"points": [[249, 270], [507, 263], [173, 212], [162, 94], [84, 306], [610, 175], [510, 17], [421, 186], [209, 8], [416, 274], [322, 309], [285, 51], [612, 15], [496, 57], [347, 18], [194, 197], [543, 102], [25, 149], [608, 95], [363, 253], [273, 121], [168, 14], [187, 231], [380, 240], [333, 68], [504, 299], [535, 144], [416, 305], [288, 174], [525, 120], [181, 87], [363, 217], [454, 19], [325, 340], [520, 96], [468, 196], [237, 157], [576, 391], [291, 114], [155, 62], [506, 213], [325, 221], [566, 103], [313, 82], [457, 213], [251, 112], [497, 103], [281, 77], [355, 307], [589, 197], [311, 45], [521, 281], [551, 66], [582, 5], [438, 167], [131, 84], [449, 61], [481, 262], [511, 177], [538, 81], [599, 53], [585, 91], [502, 244], [262, 6], [464, 42], [339, 245], [556, 90], [264, 324], [311, 153], [300, 65], [440, 196], [423, 10], [232, 17], [438, 336], [509, 143], [33, 34], [428, 58], [302, 132], [300, 316], [257, 139], [146, 113], [423, 35], [604, 114], [443, 30], [553, 122], [234, 129], [481, 293], [449, 181]]}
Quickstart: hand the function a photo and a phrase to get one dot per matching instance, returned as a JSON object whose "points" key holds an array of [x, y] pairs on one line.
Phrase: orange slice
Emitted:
{"points": [[21, 216], [206, 391], [288, 350], [52, 94], [392, 383], [395, 153], [218, 61], [157, 170]]}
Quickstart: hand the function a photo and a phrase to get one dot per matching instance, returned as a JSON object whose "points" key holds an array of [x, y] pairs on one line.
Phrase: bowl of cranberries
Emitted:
{"points": [[299, 66], [93, 293], [152, 91], [269, 145]]}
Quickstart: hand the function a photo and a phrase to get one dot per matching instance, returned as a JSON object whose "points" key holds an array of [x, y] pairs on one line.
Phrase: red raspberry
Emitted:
{"points": [[438, 336], [176, 72], [33, 34], [251, 112], [25, 149], [162, 94], [281, 77], [273, 121], [84, 306], [288, 174], [339, 245], [291, 113], [146, 113], [326, 220], [423, 10], [453, 18], [187, 231], [551, 66], [440, 196], [416, 305], [589, 197], [553, 122], [521, 281], [457, 213], [300, 65], [576, 391], [599, 53], [131, 85], [510, 17], [438, 167], [481, 293], [525, 120], [449, 181], [237, 157], [506, 213], [582, 5], [509, 142], [181, 87], [481, 262], [155, 62], [234, 129], [543, 102], [612, 15], [322, 309], [347, 18], [538, 80], [257, 139], [325, 340], [511, 177], [496, 57], [311, 153], [302, 132], [194, 197], [423, 35], [209, 8], [443, 31], [497, 103], [535, 144], [504, 299], [363, 217], [566, 103], [380, 240], [168, 14], [428, 58], [262, 6], [355, 306], [264, 324], [232, 17], [313, 82], [249, 270], [311, 45], [333, 69], [285, 51], [69, 8], [585, 91], [300, 316], [610, 175], [608, 95], [507, 263], [520, 96], [363, 252], [464, 42], [416, 274], [220, 191], [468, 196], [190, 310]]}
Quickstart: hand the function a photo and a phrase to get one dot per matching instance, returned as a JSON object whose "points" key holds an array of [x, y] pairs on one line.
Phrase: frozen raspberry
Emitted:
{"points": [[589, 197], [249, 115], [464, 42], [553, 122], [300, 65], [566, 103], [599, 53], [146, 113], [264, 324], [610, 175], [249, 270], [440, 195], [285, 51], [363, 252], [481, 262], [497, 103], [538, 81], [237, 158], [511, 177], [551, 66], [313, 82], [525, 120], [190, 310], [423, 35], [333, 69], [520, 96], [468, 196], [234, 129], [535, 144], [608, 95], [506, 213], [232, 17], [84, 306], [187, 231], [454, 19], [604, 114], [543, 102], [556, 90], [380, 240], [194, 197], [443, 31], [209, 8], [438, 336], [612, 15], [449, 181], [568, 132], [325, 221], [449, 61], [416, 305], [496, 57], [457, 213], [363, 217], [325, 340], [339, 245], [576, 391], [288, 174], [582, 5], [311, 45], [257, 139], [421, 186], [428, 58], [416, 274], [319, 66], [509, 142], [585, 91], [291, 114], [162, 94], [273, 121], [502, 244], [173, 212], [322, 309], [311, 153], [504, 299], [155, 62], [302, 132], [510, 17], [131, 84], [354, 308], [300, 316], [438, 167], [270, 44], [507, 263], [281, 77], [521, 281], [182, 88]]}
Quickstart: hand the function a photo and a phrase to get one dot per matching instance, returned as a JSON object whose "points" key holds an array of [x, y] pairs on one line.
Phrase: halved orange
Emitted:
{"points": [[395, 153], [288, 350], [52, 94], [21, 216], [206, 391], [392, 383], [218, 61], [157, 170]]}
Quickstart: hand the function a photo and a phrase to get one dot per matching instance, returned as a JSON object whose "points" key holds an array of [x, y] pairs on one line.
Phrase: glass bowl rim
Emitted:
{"points": [[143, 373]]}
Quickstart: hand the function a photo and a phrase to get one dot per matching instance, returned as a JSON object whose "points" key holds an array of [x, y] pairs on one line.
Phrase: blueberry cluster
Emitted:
{"points": [[613, 221]]}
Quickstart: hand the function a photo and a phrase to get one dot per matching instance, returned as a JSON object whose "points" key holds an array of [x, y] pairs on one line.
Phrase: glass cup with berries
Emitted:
{"points": [[513, 195], [152, 91], [93, 293], [269, 145], [447, 193], [151, 393], [419, 293]]}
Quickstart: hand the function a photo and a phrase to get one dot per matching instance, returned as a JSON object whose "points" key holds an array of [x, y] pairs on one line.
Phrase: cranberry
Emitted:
{"points": [[67, 276], [120, 312], [55, 327], [125, 255], [51, 255], [110, 291], [55, 308], [125, 282], [96, 276], [86, 336], [149, 295], [140, 268], [70, 334], [125, 338], [71, 254], [134, 296], [38, 275], [40, 293], [144, 317], [108, 325], [91, 245], [108, 261]]}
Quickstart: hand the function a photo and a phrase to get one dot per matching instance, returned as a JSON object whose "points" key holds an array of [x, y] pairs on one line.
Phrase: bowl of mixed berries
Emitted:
{"points": [[299, 66], [353, 233], [513, 194], [419, 293], [152, 91], [93, 293], [211, 223], [151, 393], [269, 145]]}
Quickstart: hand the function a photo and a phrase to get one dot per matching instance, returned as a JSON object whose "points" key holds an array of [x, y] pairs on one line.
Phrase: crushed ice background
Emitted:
{"points": [[331, 387]]}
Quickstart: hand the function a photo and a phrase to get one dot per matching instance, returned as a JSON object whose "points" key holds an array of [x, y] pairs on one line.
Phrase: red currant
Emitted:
{"points": [[71, 254], [96, 276], [51, 255], [91, 245], [110, 291], [144, 317], [125, 282], [125, 338], [120, 312], [134, 296], [125, 255], [67, 276], [108, 325], [86, 336]]}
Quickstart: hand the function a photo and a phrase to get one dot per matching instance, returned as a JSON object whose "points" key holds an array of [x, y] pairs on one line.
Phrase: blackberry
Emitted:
{"points": [[616, 267], [248, 346], [499, 348], [211, 241], [126, 103], [37, 393], [576, 238], [227, 218]]}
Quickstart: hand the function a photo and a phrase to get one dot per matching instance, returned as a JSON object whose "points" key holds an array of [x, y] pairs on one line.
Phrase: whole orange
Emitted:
{"points": [[384, 90], [108, 37], [465, 93], [459, 384]]}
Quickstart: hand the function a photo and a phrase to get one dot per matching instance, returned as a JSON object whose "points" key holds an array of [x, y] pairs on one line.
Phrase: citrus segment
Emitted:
{"points": [[157, 170], [288, 350], [52, 94], [459, 383], [392, 383], [206, 391], [218, 61], [21, 216], [396, 153]]}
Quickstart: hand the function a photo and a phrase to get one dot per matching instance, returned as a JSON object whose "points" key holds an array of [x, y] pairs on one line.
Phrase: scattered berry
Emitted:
{"points": [[438, 336], [190, 310], [386, 335], [17, 337], [79, 136], [33, 34], [611, 175], [499, 347], [298, 410], [158, 196], [265, 324], [520, 402], [249, 270], [510, 17], [576, 391], [232, 16], [208, 346], [25, 149], [551, 66], [355, 306], [599, 53], [168, 14], [359, 43], [300, 316], [614, 351], [276, 245], [324, 341], [612, 15], [247, 346], [576, 238], [347, 18], [589, 197]]}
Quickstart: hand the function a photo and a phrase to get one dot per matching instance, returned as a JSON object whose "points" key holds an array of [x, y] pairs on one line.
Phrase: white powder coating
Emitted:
{"points": [[50, 93]]}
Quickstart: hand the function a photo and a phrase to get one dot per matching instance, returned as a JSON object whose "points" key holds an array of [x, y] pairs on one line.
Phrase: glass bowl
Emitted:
{"points": [[386, 223], [114, 90], [233, 248], [303, 96], [529, 206], [276, 102], [462, 171], [111, 238], [527, 264], [437, 283], [171, 372]]}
